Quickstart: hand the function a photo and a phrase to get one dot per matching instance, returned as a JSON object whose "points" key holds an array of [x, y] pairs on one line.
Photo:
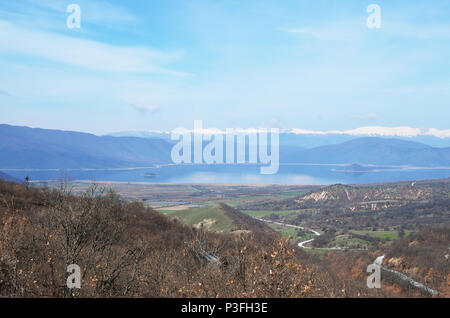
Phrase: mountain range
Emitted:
{"points": [[23, 147], [310, 139], [375, 151], [34, 148]]}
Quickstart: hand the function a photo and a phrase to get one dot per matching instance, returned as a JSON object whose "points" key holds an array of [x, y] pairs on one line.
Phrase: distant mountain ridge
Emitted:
{"points": [[24, 147], [312, 139], [34, 148], [375, 151]]}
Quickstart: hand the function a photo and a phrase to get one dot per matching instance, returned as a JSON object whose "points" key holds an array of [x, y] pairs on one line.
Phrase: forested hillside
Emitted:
{"points": [[127, 250]]}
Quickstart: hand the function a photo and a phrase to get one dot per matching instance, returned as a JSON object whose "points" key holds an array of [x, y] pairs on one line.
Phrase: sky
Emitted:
{"points": [[312, 65]]}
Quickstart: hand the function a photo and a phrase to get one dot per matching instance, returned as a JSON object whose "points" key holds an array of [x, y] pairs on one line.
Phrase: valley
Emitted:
{"points": [[294, 232], [360, 215], [330, 222]]}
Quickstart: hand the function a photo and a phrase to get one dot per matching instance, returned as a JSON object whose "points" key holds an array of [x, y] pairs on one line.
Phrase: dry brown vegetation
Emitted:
{"points": [[425, 257], [127, 250], [422, 256]]}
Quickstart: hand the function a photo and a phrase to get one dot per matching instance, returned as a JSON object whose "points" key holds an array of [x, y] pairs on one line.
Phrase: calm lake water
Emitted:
{"points": [[287, 174]]}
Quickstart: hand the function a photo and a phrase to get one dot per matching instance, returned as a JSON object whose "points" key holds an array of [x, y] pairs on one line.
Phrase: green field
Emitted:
{"points": [[221, 222], [389, 235], [346, 241], [166, 211], [243, 199]]}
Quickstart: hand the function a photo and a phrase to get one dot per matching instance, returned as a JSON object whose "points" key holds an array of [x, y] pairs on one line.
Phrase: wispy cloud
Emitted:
{"points": [[88, 54], [98, 10], [324, 70], [416, 31], [146, 108], [355, 28], [51, 13]]}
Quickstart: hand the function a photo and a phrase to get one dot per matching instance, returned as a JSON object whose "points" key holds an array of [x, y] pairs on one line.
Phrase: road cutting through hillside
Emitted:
{"points": [[379, 262], [301, 244]]}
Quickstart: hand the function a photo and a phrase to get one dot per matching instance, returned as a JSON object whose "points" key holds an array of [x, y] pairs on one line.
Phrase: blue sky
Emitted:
{"points": [[157, 65]]}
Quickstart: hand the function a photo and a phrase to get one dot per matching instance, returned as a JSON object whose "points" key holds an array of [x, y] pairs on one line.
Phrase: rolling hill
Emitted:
{"points": [[222, 218], [356, 197]]}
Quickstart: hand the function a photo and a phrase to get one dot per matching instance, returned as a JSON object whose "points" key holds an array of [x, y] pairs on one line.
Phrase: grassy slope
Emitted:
{"points": [[390, 235], [222, 223]]}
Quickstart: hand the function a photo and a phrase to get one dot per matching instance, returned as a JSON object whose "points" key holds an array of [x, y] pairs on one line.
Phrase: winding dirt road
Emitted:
{"points": [[301, 244]]}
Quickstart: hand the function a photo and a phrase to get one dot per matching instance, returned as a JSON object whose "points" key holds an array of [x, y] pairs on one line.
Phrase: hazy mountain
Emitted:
{"points": [[142, 134], [312, 141], [372, 150], [289, 137], [23, 147]]}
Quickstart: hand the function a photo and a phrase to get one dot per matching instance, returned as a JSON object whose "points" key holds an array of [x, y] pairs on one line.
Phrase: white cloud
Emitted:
{"points": [[83, 53], [145, 108]]}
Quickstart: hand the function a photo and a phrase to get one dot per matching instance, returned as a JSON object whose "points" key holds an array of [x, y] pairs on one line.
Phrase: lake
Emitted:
{"points": [[287, 174]]}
